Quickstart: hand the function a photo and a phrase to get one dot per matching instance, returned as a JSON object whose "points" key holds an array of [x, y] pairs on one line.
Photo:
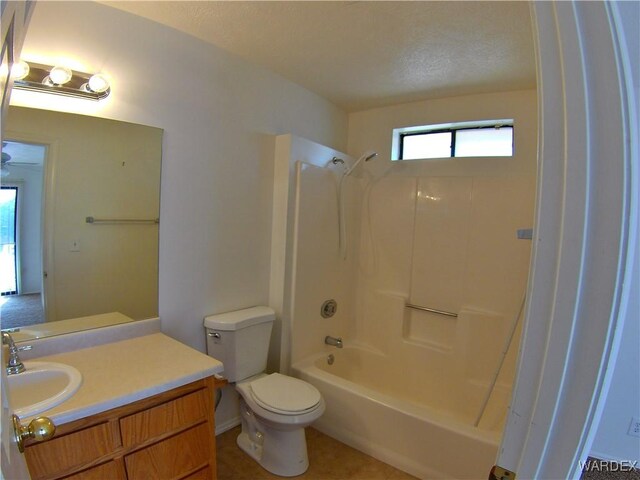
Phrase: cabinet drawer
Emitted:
{"points": [[173, 457], [170, 416], [75, 449]]}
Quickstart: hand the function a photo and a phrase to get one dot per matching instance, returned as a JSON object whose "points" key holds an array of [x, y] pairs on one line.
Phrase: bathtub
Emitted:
{"points": [[367, 410]]}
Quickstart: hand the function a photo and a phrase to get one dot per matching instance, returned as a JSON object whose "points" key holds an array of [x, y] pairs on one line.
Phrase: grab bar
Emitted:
{"points": [[431, 310], [122, 220]]}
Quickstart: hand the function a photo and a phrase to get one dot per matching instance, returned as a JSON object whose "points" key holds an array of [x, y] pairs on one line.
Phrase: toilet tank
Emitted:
{"points": [[240, 340]]}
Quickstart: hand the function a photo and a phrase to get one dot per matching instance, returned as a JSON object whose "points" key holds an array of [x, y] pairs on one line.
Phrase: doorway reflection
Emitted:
{"points": [[21, 234]]}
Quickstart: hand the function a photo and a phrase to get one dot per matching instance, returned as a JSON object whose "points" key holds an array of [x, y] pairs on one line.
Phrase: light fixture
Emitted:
{"points": [[62, 81], [20, 70], [97, 83], [59, 76]]}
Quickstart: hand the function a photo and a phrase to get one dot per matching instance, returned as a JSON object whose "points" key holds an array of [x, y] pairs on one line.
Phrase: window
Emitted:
{"points": [[493, 138], [8, 259]]}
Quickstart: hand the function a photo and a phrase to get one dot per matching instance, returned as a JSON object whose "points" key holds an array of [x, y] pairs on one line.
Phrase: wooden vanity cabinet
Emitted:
{"points": [[167, 436]]}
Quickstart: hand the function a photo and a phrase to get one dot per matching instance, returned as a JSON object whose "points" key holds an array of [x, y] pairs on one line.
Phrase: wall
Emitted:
{"points": [[113, 174], [219, 115], [372, 130]]}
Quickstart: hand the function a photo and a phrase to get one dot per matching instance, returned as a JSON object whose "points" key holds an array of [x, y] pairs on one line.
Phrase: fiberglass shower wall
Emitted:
{"points": [[442, 234], [307, 268], [446, 243]]}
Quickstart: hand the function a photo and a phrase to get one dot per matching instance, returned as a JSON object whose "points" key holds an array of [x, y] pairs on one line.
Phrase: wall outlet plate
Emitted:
{"points": [[634, 427]]}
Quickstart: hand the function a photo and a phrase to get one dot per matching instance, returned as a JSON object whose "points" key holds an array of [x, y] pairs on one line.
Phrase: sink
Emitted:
{"points": [[42, 386]]}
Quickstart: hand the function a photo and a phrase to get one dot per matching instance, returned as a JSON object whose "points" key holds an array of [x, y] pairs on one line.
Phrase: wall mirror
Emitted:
{"points": [[79, 212]]}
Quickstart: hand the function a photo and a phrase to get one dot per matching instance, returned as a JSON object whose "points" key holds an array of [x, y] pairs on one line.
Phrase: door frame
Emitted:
{"points": [[585, 238]]}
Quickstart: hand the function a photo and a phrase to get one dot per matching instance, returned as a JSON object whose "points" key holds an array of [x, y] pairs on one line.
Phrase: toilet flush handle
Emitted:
{"points": [[214, 335]]}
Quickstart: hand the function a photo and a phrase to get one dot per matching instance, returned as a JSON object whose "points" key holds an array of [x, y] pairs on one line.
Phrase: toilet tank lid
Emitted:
{"points": [[240, 318]]}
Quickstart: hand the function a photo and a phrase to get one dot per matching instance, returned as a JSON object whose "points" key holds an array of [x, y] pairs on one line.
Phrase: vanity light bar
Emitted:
{"points": [[38, 80]]}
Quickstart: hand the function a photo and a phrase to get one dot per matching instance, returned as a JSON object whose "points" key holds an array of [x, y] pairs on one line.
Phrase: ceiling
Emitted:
{"points": [[365, 54]]}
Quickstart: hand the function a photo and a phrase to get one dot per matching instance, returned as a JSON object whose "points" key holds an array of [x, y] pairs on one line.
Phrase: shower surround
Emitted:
{"points": [[409, 384]]}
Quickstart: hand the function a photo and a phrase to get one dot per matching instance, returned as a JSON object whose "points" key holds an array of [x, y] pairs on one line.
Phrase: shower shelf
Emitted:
{"points": [[431, 310]]}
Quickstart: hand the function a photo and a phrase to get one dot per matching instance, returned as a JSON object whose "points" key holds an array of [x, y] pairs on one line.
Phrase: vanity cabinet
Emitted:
{"points": [[167, 436]]}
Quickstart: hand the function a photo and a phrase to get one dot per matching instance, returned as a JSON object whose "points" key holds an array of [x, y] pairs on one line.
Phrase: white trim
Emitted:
{"points": [[580, 245]]}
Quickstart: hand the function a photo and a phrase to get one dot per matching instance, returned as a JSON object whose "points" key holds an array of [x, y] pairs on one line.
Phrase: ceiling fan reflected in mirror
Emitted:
{"points": [[8, 158]]}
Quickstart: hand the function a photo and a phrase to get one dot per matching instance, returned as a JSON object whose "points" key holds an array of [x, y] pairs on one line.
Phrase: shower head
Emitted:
{"points": [[366, 157]]}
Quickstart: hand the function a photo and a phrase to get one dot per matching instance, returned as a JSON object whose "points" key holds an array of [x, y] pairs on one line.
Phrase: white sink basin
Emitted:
{"points": [[42, 386]]}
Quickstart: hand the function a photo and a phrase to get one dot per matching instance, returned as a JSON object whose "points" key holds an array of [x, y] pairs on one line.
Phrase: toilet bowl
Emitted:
{"points": [[274, 408]]}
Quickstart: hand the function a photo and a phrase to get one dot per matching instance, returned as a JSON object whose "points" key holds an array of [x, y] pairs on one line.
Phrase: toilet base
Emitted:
{"points": [[281, 452]]}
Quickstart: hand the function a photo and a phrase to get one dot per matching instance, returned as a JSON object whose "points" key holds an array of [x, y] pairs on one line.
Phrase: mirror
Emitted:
{"points": [[85, 249]]}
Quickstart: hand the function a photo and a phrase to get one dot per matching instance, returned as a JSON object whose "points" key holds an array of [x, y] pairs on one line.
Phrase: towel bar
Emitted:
{"points": [[431, 310]]}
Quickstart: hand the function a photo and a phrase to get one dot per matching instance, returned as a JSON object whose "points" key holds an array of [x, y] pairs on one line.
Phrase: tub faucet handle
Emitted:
{"points": [[333, 341]]}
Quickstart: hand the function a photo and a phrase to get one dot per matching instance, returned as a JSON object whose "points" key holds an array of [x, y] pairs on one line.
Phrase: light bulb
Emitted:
{"points": [[98, 83], [60, 75], [20, 70]]}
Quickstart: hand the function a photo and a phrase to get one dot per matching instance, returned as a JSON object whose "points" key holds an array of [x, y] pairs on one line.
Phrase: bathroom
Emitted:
{"points": [[218, 151]]}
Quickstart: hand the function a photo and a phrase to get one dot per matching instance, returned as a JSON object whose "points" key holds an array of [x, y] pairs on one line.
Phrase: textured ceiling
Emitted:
{"points": [[365, 54]]}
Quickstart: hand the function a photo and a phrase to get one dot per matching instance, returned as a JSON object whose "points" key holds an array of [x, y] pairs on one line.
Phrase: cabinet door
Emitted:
{"points": [[164, 419], [176, 457], [204, 474], [68, 452]]}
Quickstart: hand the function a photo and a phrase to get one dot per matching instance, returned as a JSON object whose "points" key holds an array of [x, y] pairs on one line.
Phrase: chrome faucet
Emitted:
{"points": [[333, 341], [14, 365]]}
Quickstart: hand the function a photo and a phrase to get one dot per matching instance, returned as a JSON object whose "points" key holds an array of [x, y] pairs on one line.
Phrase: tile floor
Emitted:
{"points": [[331, 460], [328, 460]]}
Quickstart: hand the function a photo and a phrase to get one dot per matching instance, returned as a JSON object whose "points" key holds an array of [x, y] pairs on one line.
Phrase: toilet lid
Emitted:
{"points": [[281, 394]]}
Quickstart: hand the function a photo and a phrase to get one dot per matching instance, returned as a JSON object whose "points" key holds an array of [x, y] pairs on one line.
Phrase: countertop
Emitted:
{"points": [[119, 373]]}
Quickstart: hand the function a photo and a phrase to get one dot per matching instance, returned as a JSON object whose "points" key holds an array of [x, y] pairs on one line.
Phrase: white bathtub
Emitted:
{"points": [[366, 409]]}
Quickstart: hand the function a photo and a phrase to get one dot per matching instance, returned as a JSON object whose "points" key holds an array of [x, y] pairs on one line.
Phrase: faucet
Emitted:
{"points": [[335, 342], [14, 365]]}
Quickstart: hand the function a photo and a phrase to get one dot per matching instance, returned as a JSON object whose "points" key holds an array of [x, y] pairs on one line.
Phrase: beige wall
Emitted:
{"points": [[372, 130], [105, 169]]}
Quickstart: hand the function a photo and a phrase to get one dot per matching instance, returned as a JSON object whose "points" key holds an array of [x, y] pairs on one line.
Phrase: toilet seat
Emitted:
{"points": [[284, 395]]}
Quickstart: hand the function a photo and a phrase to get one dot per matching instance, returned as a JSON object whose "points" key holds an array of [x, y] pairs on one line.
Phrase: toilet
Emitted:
{"points": [[274, 408]]}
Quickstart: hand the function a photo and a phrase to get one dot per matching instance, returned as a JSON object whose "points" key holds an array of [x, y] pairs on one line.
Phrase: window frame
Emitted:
{"points": [[400, 134]]}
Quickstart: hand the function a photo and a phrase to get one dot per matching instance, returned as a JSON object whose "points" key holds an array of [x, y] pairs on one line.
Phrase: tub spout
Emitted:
{"points": [[335, 342]]}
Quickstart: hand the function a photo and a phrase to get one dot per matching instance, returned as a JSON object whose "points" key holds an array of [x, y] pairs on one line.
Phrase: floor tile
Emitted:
{"points": [[329, 459]]}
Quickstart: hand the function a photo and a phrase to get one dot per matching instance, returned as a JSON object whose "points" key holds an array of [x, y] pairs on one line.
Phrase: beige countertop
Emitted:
{"points": [[119, 373]]}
